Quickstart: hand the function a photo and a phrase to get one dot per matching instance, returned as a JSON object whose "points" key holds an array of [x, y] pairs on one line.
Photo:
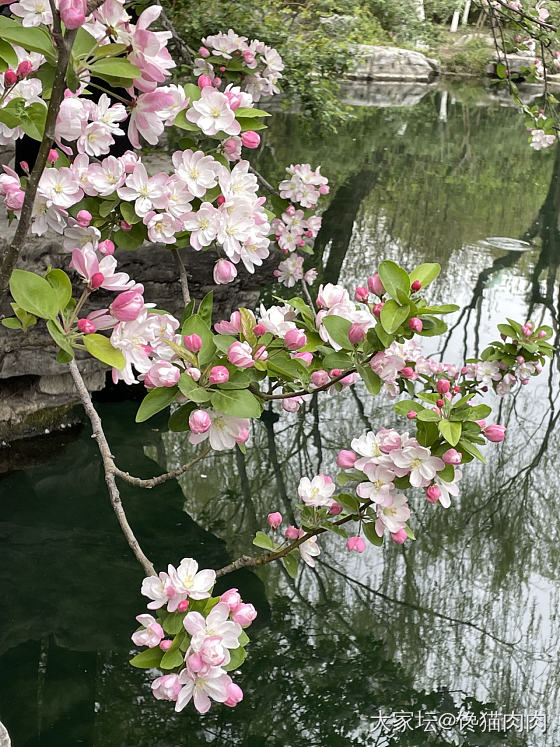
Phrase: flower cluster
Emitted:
{"points": [[196, 639], [224, 53]]}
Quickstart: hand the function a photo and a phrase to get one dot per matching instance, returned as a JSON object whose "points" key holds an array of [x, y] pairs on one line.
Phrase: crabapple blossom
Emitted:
{"points": [[167, 687], [240, 355], [224, 272], [355, 544], [223, 432], [202, 687], [212, 113], [244, 614], [199, 421], [152, 633], [274, 519], [316, 492]]}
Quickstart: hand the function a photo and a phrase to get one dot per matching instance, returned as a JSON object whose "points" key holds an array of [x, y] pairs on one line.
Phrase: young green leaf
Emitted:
{"points": [[34, 294], [155, 401]]}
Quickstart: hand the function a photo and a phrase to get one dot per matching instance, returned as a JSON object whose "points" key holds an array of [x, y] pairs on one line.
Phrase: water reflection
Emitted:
{"points": [[466, 616]]}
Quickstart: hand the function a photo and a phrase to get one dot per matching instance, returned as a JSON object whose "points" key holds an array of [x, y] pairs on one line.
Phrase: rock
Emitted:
{"points": [[393, 64], [383, 94], [4, 736]]}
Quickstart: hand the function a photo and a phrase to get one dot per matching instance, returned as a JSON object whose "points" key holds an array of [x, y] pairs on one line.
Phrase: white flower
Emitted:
{"points": [[380, 488], [33, 12], [448, 488], [203, 225], [197, 170], [276, 319], [419, 462], [213, 114], [316, 492], [309, 551], [61, 187], [223, 433], [187, 578], [393, 517]]}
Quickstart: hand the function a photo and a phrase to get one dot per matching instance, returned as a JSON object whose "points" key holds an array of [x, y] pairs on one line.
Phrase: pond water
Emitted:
{"points": [[465, 617]]}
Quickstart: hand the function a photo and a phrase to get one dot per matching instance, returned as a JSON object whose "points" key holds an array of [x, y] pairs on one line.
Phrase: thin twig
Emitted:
{"points": [[520, 13], [109, 469], [184, 50], [159, 479], [183, 277], [266, 184]]}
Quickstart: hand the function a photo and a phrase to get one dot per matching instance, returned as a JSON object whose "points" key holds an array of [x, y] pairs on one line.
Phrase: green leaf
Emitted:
{"points": [[183, 123], [148, 659], [349, 502], [191, 390], [246, 111], [393, 315], [432, 326], [33, 39], [60, 281], [155, 401], [179, 418], [446, 308], [131, 239], [337, 327], [394, 278], [84, 44], [192, 92], [447, 473], [478, 412], [196, 325], [501, 70], [114, 68], [370, 379], [351, 476], [237, 380], [427, 415], [8, 54], [384, 338], [425, 273], [173, 623], [100, 347], [205, 308], [129, 214], [239, 403], [33, 293], [12, 323], [471, 449], [60, 338], [263, 540], [110, 50], [290, 562], [222, 342], [450, 431], [369, 531], [238, 656], [406, 405], [248, 323], [338, 360], [171, 659]]}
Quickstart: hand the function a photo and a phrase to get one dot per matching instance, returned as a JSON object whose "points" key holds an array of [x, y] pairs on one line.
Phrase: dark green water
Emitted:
{"points": [[465, 616]]}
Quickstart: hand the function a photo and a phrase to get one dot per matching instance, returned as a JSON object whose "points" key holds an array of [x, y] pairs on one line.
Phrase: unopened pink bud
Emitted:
{"points": [[324, 189], [415, 324], [250, 139], [361, 294], [24, 166], [356, 334], [355, 544], [10, 77], [411, 414], [243, 436], [443, 386], [183, 605], [305, 357], [166, 644], [259, 330], [53, 154], [375, 285], [85, 326], [204, 81], [106, 247], [195, 663], [335, 509], [274, 519], [290, 211], [399, 537], [440, 403], [203, 52], [346, 459], [416, 285], [527, 330], [232, 598], [220, 199], [407, 372], [199, 421], [127, 305], [125, 226], [433, 494], [452, 456], [377, 309], [224, 272], [97, 279], [495, 433], [244, 614], [541, 334], [217, 82], [235, 695], [481, 423], [193, 342], [218, 375], [295, 339], [319, 378], [194, 373], [83, 218], [23, 69], [292, 533]]}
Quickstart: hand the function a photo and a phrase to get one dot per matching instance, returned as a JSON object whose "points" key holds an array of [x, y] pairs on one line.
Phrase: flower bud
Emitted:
{"points": [[399, 537], [292, 533], [375, 285], [192, 342], [433, 493], [415, 324], [234, 695], [411, 414], [250, 139], [203, 52], [377, 309], [527, 330], [127, 305], [195, 663], [124, 226], [361, 294], [324, 189], [452, 456], [224, 272], [204, 81], [407, 372], [53, 155], [240, 354], [440, 403], [495, 433], [295, 339], [194, 373], [259, 329], [335, 509], [23, 69], [166, 644], [183, 605], [218, 375], [83, 218], [244, 614], [85, 326], [97, 279], [232, 598], [162, 373], [217, 82], [10, 77], [416, 285], [306, 358], [24, 166], [355, 544], [106, 247], [541, 334], [356, 334], [274, 519], [443, 386], [199, 421], [346, 459], [292, 404]]}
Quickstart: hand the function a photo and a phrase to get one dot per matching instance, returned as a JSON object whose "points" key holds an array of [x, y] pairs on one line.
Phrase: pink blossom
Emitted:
{"points": [[316, 492], [244, 614], [292, 404], [224, 272], [433, 493], [415, 324], [295, 339], [212, 684], [399, 537], [452, 456], [166, 687], [161, 373], [375, 285], [495, 433], [232, 598], [144, 119], [192, 343], [274, 519], [355, 544], [240, 354], [127, 305], [152, 633], [218, 375], [319, 378], [235, 695], [199, 421], [212, 113], [346, 459], [250, 139], [292, 532]]}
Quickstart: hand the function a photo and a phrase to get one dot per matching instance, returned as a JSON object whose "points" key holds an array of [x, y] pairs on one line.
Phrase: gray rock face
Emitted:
{"points": [[393, 64]]}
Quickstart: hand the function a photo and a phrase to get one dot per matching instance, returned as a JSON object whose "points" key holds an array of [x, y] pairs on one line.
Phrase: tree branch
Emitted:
{"points": [[159, 479], [183, 277], [11, 254]]}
